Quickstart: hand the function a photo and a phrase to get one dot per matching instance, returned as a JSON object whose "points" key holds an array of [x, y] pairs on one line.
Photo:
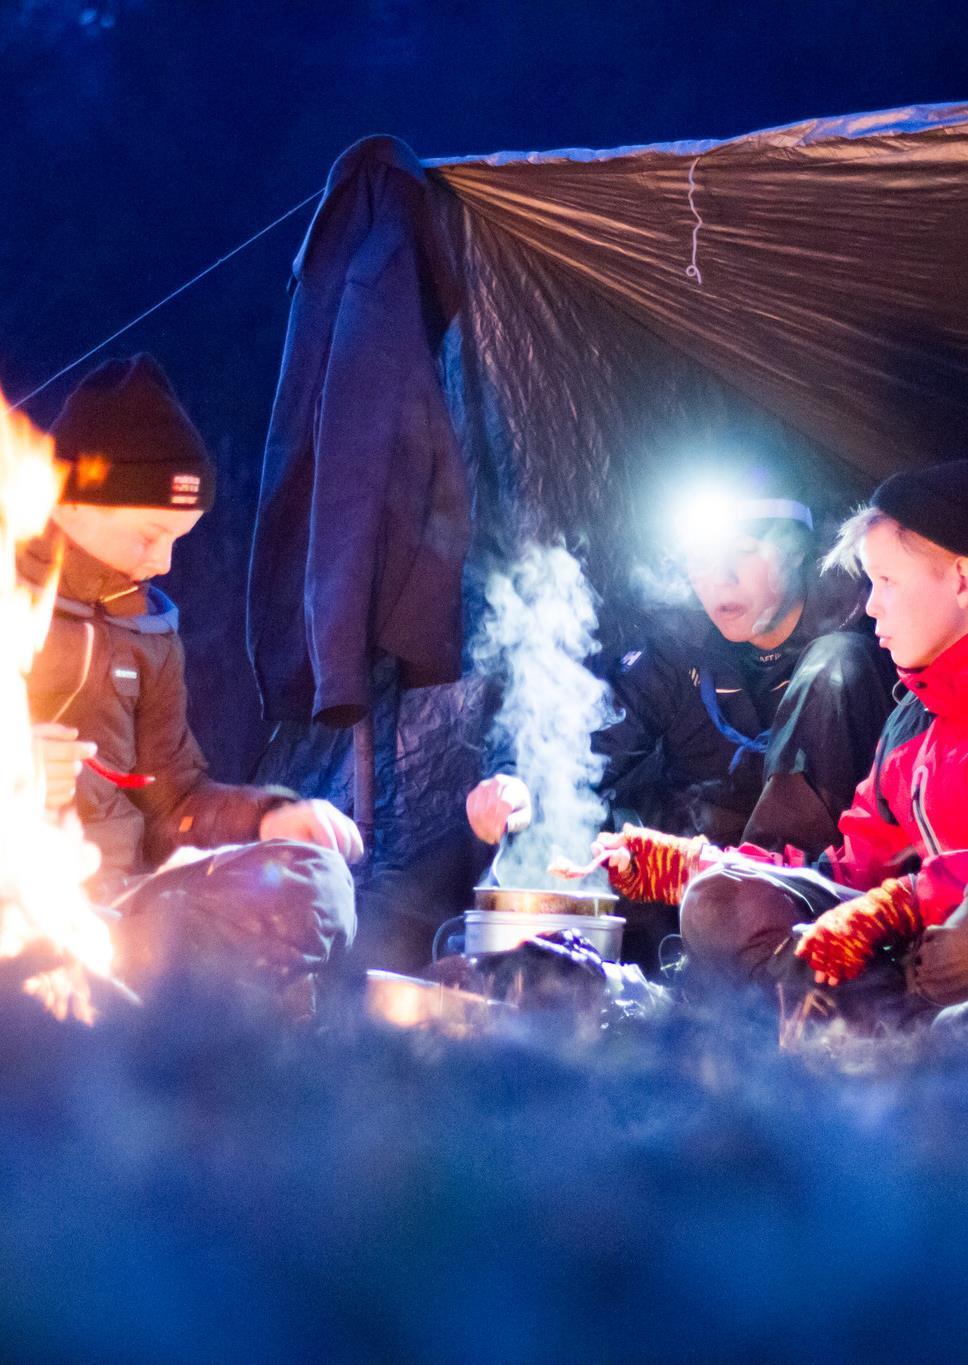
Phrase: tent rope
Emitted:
{"points": [[66, 369], [693, 270]]}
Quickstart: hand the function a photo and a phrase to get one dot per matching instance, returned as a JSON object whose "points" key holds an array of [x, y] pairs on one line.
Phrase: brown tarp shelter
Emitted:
{"points": [[792, 303], [821, 269]]}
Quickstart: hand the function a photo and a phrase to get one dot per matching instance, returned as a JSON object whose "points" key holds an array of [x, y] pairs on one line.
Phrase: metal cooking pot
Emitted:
{"points": [[496, 931], [522, 901], [505, 916]]}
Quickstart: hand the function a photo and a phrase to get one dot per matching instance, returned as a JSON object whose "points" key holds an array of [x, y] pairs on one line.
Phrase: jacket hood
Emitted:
{"points": [[87, 587], [345, 219], [834, 601]]}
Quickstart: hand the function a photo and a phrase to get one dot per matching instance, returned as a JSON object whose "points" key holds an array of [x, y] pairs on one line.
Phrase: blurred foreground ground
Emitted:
{"points": [[191, 1182]]}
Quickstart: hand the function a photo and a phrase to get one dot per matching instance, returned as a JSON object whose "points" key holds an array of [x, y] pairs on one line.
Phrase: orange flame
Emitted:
{"points": [[44, 859], [91, 471]]}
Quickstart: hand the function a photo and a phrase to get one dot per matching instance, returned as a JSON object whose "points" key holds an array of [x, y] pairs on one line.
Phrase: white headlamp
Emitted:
{"points": [[773, 509], [709, 519]]}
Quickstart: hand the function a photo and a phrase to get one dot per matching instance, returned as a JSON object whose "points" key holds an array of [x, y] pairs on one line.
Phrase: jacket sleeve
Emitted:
{"points": [[646, 693], [183, 805], [871, 848], [873, 851], [940, 885]]}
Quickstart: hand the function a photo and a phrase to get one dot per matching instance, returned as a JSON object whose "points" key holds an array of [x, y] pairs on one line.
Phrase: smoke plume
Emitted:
{"points": [[538, 631]]}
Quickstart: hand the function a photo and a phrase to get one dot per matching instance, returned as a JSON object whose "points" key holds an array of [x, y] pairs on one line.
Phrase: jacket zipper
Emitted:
{"points": [[920, 815]]}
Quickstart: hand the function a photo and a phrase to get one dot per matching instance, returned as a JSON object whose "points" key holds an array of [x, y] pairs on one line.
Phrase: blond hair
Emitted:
{"points": [[845, 552]]}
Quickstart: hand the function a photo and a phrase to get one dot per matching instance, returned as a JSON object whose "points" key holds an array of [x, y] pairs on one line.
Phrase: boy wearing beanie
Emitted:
{"points": [[885, 900], [108, 700]]}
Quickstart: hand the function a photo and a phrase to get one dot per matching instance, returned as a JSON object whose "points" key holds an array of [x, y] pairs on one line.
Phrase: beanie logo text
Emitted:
{"points": [[185, 489]]}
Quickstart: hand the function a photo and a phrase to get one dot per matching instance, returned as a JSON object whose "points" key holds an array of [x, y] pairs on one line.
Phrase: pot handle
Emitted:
{"points": [[442, 932]]}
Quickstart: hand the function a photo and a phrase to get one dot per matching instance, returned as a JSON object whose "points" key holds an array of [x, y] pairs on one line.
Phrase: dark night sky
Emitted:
{"points": [[143, 138]]}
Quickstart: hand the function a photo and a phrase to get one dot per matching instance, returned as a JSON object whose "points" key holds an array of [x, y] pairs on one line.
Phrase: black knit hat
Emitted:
{"points": [[130, 443], [932, 501]]}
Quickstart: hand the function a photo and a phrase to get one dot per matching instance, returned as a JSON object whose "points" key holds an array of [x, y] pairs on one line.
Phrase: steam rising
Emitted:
{"points": [[663, 584], [539, 629]]}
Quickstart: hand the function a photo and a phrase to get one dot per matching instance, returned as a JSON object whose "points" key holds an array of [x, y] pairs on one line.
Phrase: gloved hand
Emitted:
{"points": [[841, 942], [939, 971], [498, 804], [647, 865]]}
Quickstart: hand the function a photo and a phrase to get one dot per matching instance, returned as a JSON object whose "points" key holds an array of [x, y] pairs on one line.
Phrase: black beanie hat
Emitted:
{"points": [[130, 443], [932, 502]]}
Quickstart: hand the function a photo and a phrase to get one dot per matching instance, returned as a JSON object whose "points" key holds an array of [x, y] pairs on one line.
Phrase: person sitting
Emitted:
{"points": [[886, 924], [752, 716], [108, 701]]}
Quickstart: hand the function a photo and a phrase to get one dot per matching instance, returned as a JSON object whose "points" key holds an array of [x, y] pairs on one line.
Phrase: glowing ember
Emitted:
{"points": [[44, 858]]}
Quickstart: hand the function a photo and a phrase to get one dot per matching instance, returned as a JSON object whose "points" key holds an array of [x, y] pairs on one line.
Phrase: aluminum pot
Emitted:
{"points": [[518, 900], [504, 916], [498, 931]]}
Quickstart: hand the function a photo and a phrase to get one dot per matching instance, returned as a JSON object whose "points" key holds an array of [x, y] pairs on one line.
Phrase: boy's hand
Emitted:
{"points": [[314, 822], [840, 942], [501, 803], [616, 846], [60, 755]]}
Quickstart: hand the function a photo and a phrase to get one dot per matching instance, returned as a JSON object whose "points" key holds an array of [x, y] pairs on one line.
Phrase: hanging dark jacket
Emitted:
{"points": [[363, 517], [112, 666]]}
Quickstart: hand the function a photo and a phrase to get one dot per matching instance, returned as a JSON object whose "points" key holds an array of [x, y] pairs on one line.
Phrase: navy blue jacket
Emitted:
{"points": [[363, 516]]}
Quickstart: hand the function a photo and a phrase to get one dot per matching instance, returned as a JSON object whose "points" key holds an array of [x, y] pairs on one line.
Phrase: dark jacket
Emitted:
{"points": [[363, 517], [675, 765], [113, 667]]}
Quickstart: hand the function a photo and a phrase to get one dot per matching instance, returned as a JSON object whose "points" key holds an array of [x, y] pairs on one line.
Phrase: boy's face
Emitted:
{"points": [[744, 585], [919, 601], [137, 541]]}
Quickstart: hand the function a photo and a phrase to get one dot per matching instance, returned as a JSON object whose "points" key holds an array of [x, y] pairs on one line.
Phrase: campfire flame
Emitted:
{"points": [[44, 858]]}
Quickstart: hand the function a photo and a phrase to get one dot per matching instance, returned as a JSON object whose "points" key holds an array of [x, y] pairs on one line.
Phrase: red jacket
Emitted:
{"points": [[910, 814]]}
